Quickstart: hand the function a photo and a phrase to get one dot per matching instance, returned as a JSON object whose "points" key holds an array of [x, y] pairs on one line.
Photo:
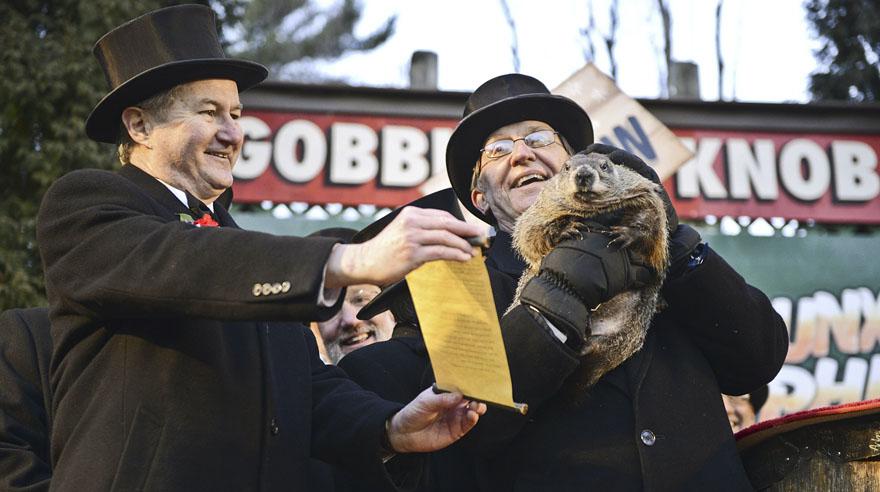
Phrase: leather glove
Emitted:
{"points": [[632, 161], [577, 276], [682, 244]]}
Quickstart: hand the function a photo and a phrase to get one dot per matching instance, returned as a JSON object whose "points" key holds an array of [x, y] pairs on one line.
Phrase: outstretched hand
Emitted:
{"points": [[416, 236], [432, 421]]}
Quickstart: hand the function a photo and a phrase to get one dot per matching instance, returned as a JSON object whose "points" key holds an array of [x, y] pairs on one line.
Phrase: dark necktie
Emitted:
{"points": [[198, 208]]}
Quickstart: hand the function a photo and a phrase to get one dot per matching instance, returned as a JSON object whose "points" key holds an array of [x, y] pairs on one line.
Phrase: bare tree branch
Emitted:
{"points": [[610, 39], [718, 50], [514, 44], [663, 7], [590, 48]]}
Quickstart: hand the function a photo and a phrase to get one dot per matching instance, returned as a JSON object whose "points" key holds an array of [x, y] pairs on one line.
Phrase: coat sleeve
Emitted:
{"points": [[734, 324], [348, 427], [109, 251], [24, 421]]}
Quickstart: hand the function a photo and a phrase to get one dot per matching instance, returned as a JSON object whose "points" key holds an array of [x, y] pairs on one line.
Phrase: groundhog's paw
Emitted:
{"points": [[571, 232], [621, 237]]}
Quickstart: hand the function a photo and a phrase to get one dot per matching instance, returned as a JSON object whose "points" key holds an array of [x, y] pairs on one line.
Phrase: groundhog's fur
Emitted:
{"points": [[592, 193]]}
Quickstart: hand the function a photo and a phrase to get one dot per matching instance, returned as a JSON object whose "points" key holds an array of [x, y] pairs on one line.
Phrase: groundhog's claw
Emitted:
{"points": [[621, 237]]}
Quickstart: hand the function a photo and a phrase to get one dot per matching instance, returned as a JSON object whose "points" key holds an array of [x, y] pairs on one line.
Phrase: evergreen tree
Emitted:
{"points": [[278, 32], [848, 59]]}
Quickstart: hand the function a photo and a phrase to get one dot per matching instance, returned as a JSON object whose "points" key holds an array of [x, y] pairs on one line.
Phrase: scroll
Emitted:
{"points": [[457, 316]]}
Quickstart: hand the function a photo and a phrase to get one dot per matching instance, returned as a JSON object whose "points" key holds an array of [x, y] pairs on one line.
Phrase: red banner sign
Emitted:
{"points": [[364, 159], [827, 178], [352, 160]]}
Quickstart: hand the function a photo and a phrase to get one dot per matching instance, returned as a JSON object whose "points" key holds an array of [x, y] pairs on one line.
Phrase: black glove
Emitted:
{"points": [[577, 276], [632, 161], [682, 244]]}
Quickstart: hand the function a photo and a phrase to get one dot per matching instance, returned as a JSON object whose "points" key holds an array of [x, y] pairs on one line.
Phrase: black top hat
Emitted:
{"points": [[155, 52], [441, 200], [501, 101]]}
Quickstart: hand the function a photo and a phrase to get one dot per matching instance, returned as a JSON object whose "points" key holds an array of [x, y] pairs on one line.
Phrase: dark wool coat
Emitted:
{"points": [[167, 371], [25, 350], [655, 423]]}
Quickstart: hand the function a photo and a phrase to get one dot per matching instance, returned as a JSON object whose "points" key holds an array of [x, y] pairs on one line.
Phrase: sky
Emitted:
{"points": [[766, 45]]}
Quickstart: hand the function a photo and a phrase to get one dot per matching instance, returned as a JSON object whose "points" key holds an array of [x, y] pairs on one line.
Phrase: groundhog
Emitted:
{"points": [[592, 193]]}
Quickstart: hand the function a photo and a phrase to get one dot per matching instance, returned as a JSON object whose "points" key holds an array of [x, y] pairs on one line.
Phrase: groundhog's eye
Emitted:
{"points": [[604, 166], [566, 166]]}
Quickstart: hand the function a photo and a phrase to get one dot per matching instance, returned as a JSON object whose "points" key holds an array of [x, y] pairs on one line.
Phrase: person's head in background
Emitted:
{"points": [[344, 332], [742, 411]]}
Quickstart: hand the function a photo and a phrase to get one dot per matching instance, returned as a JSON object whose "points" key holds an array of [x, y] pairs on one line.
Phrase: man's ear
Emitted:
{"points": [[139, 128], [478, 198]]}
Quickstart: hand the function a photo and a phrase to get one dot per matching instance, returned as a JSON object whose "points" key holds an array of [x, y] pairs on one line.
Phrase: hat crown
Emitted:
{"points": [[173, 34], [503, 87]]}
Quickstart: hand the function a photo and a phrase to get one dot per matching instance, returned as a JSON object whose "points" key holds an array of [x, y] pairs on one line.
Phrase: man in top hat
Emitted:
{"points": [[655, 422], [177, 363], [397, 369]]}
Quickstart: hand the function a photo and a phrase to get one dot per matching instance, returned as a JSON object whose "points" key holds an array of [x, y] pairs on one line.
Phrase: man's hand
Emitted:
{"points": [[416, 236], [432, 421], [632, 161]]}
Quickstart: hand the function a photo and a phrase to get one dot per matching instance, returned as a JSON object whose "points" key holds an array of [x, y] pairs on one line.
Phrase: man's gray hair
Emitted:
{"points": [[157, 106]]}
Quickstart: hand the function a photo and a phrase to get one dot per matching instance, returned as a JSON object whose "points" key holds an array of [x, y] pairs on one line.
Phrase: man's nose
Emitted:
{"points": [[349, 315], [230, 132], [521, 154]]}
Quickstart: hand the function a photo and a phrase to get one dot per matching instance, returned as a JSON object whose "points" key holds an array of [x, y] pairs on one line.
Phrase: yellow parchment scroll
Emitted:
{"points": [[456, 313]]}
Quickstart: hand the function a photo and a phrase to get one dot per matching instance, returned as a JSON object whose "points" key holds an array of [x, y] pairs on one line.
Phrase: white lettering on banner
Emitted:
{"points": [[300, 149], [255, 155], [307, 138], [852, 324], [794, 156], [802, 169], [855, 176], [872, 390], [792, 390], [697, 174], [746, 170], [353, 155], [404, 151], [830, 391]]}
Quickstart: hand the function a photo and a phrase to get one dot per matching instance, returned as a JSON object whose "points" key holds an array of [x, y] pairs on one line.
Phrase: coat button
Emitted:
{"points": [[273, 427], [648, 437]]}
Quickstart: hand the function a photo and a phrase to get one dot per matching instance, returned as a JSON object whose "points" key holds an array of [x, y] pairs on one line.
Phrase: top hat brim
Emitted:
{"points": [[104, 121], [463, 149], [444, 199], [382, 301]]}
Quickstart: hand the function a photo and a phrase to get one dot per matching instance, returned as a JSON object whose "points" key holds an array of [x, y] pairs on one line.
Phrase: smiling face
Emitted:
{"points": [[509, 184], [344, 333], [197, 141]]}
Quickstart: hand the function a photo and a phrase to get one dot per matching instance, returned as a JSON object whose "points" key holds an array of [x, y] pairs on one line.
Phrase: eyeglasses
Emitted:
{"points": [[534, 140], [361, 297]]}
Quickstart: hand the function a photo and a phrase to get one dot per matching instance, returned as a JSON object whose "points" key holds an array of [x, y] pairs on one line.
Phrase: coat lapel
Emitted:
{"points": [[159, 192], [155, 189]]}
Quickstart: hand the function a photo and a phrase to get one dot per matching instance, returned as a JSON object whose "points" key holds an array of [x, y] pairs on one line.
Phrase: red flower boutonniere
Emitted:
{"points": [[206, 221]]}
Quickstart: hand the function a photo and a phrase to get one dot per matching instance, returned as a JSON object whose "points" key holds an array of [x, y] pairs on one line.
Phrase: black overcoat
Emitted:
{"points": [[25, 351], [167, 370], [655, 423]]}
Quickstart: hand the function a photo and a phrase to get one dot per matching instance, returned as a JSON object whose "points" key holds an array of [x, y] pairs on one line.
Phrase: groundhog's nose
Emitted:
{"points": [[584, 177]]}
